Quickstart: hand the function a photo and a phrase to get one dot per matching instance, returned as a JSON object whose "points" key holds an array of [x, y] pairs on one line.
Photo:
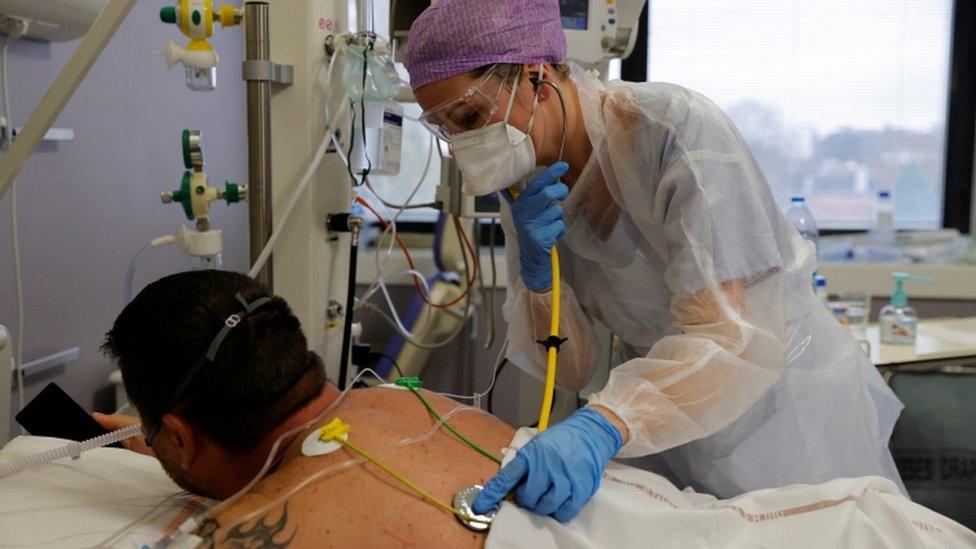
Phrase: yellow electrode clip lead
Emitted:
{"points": [[336, 430], [552, 344]]}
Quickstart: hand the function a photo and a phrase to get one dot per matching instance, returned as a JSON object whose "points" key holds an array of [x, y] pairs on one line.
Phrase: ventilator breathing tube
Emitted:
{"points": [[72, 450]]}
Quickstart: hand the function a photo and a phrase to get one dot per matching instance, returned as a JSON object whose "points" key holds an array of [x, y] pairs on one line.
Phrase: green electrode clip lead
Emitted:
{"points": [[414, 384], [409, 382]]}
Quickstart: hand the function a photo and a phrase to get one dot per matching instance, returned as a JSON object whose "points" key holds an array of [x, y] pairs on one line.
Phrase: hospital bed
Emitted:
{"points": [[116, 498], [108, 498]]}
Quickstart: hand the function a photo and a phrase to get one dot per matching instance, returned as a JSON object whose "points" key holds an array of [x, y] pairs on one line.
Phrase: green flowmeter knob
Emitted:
{"points": [[192, 141], [187, 161], [168, 15], [182, 195], [233, 193], [409, 382]]}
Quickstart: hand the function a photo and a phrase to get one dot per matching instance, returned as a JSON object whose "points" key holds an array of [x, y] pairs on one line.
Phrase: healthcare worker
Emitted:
{"points": [[735, 377]]}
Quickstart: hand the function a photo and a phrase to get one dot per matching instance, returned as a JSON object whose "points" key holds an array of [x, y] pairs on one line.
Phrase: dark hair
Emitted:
{"points": [[263, 371]]}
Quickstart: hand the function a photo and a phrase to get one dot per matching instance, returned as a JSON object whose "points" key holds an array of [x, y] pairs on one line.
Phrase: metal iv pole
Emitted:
{"points": [[257, 54]]}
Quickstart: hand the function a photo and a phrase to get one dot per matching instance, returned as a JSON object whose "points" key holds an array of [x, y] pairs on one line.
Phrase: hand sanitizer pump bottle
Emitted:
{"points": [[899, 322]]}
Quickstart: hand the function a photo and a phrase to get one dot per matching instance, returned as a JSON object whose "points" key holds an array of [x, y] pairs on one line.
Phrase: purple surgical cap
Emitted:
{"points": [[453, 37]]}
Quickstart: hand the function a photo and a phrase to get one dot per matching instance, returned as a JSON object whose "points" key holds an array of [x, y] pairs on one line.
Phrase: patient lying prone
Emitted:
{"points": [[363, 506], [261, 383]]}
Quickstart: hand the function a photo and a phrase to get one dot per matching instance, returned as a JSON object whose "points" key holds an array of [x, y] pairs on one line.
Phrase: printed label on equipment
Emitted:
{"points": [[392, 138]]}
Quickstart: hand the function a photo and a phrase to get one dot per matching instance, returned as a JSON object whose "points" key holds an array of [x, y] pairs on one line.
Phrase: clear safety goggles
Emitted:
{"points": [[473, 110]]}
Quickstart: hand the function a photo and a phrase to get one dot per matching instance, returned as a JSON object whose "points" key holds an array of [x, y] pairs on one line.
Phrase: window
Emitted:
{"points": [[838, 99]]}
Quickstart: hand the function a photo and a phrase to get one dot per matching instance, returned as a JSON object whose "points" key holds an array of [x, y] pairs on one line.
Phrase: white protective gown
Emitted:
{"points": [[737, 378]]}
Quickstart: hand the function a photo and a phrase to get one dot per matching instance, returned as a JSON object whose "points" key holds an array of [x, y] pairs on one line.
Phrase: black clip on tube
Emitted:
{"points": [[347, 223]]}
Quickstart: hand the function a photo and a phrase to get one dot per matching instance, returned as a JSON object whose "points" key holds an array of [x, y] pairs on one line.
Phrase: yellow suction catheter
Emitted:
{"points": [[553, 342], [552, 349]]}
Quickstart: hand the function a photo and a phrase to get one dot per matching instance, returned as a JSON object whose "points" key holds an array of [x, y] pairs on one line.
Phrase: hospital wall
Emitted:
{"points": [[87, 206]]}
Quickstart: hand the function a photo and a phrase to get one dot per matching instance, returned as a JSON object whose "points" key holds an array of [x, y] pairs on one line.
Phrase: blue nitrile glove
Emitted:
{"points": [[559, 470], [538, 221]]}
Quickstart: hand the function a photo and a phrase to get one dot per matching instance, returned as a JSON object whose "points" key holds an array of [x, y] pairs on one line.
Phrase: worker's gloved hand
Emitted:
{"points": [[538, 221], [559, 470]]}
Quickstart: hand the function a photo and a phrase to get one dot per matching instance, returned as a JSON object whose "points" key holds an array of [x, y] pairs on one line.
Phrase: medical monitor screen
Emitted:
{"points": [[574, 13]]}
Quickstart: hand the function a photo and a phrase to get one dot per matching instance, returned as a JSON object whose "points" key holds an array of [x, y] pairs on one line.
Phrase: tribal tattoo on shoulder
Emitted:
{"points": [[263, 534], [207, 530]]}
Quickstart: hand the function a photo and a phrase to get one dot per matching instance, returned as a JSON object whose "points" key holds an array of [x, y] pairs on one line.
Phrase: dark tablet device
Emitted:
{"points": [[53, 413]]}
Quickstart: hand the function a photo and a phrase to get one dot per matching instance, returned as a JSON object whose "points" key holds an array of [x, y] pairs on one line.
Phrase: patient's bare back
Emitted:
{"points": [[360, 505]]}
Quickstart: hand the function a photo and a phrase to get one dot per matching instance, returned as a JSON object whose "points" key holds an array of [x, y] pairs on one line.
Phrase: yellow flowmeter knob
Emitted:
{"points": [[196, 19], [334, 430], [228, 15]]}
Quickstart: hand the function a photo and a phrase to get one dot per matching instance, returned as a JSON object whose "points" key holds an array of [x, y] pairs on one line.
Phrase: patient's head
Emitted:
{"points": [[261, 375]]}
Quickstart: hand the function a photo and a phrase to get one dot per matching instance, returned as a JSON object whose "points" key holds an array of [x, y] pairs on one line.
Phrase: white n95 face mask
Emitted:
{"points": [[496, 156]]}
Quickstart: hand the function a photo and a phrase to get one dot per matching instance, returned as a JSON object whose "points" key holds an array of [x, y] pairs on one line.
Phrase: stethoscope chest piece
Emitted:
{"points": [[463, 500]]}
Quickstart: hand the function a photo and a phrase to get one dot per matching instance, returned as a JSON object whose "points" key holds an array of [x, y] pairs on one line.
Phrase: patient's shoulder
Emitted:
{"points": [[333, 499], [401, 409]]}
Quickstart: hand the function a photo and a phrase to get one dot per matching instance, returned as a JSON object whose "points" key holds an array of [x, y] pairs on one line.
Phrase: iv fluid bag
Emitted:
{"points": [[378, 147]]}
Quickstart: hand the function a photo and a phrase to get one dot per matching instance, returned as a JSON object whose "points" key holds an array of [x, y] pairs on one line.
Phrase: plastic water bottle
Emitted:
{"points": [[883, 231], [820, 288], [803, 220]]}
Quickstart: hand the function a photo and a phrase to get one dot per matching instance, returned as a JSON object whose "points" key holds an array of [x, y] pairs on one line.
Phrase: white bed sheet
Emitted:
{"points": [[81, 503], [637, 509]]}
